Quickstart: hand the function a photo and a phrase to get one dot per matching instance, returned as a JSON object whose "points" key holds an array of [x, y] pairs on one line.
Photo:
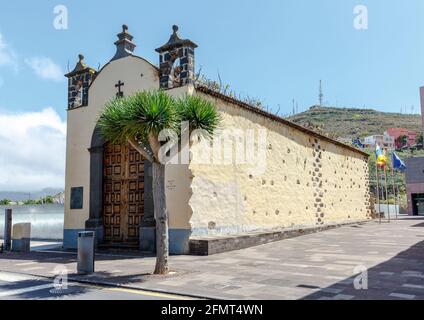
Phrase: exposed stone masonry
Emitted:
{"points": [[79, 81], [318, 183], [176, 62]]}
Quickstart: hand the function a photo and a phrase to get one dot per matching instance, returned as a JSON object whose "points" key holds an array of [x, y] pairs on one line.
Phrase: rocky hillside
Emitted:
{"points": [[348, 123]]}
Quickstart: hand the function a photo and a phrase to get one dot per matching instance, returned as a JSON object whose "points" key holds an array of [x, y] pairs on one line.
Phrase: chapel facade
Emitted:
{"points": [[298, 178]]}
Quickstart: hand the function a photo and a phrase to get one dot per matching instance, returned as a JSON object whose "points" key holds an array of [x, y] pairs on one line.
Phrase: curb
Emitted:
{"points": [[123, 286], [117, 285]]}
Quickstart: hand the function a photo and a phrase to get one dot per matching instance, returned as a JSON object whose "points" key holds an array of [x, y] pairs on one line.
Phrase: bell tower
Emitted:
{"points": [[124, 45], [79, 81], [176, 61]]}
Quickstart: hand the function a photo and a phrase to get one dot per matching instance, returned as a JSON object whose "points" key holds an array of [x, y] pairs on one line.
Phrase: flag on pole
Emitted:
{"points": [[381, 157], [398, 164], [378, 151], [357, 143]]}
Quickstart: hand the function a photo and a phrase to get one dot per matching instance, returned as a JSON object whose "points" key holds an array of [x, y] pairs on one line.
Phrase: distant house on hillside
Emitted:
{"points": [[396, 133], [382, 140]]}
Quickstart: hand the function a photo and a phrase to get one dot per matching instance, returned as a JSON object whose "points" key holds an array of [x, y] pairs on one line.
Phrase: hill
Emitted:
{"points": [[35, 195], [348, 123]]}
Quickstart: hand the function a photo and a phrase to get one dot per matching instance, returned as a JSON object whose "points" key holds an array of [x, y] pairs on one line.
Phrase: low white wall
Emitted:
{"points": [[46, 220]]}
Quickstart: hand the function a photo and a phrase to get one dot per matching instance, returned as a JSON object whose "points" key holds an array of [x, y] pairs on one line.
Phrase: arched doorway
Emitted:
{"points": [[102, 174]]}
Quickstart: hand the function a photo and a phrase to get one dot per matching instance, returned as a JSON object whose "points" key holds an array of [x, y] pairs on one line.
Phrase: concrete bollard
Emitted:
{"points": [[85, 264], [7, 229], [21, 237]]}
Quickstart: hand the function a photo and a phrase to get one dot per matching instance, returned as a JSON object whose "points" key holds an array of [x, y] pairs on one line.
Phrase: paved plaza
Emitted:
{"points": [[316, 266]]}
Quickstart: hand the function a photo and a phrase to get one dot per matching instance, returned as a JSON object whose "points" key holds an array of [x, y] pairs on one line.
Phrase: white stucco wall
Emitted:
{"points": [[82, 122]]}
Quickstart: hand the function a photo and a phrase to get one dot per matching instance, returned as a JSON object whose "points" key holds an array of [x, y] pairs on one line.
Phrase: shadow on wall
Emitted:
{"points": [[46, 220], [401, 277]]}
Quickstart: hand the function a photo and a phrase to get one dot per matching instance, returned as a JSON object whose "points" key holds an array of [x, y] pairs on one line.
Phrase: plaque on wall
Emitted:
{"points": [[76, 198]]}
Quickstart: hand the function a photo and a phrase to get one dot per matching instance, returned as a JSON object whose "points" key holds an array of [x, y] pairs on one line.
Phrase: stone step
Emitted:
{"points": [[212, 245]]}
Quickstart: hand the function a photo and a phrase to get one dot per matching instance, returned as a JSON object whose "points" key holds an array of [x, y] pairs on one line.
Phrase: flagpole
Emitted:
{"points": [[387, 197], [378, 192], [394, 191], [398, 197]]}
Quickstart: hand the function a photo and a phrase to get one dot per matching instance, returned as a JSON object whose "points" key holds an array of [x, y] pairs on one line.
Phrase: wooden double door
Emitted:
{"points": [[123, 194]]}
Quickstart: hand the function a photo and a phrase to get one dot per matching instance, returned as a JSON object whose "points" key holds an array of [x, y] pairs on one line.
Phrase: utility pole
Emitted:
{"points": [[294, 110], [321, 95]]}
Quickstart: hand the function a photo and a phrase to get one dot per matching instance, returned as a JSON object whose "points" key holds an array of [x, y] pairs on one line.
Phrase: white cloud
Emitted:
{"points": [[32, 148], [45, 68], [7, 56]]}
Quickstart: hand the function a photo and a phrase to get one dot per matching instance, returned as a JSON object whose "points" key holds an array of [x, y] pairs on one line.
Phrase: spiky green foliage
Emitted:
{"points": [[199, 112], [137, 116], [149, 112], [114, 120]]}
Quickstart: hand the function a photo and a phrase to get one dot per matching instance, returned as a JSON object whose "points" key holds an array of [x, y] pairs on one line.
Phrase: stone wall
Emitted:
{"points": [[305, 181]]}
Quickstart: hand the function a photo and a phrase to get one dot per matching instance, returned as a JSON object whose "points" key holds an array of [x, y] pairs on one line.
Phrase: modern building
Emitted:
{"points": [[287, 177], [422, 106], [415, 185], [383, 140]]}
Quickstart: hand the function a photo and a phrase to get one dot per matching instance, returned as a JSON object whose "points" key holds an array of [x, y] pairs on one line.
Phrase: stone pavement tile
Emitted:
{"points": [[296, 293], [230, 288], [412, 273], [26, 263], [413, 286], [343, 297], [301, 274], [247, 291], [347, 282], [275, 282], [331, 290], [338, 278], [33, 269], [402, 296]]}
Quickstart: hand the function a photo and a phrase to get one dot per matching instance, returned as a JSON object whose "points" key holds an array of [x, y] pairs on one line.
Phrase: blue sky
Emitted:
{"points": [[275, 50]]}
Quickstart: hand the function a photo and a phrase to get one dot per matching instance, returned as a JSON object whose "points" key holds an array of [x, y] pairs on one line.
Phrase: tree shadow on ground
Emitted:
{"points": [[401, 277], [418, 225], [45, 263], [68, 256], [111, 278], [39, 289], [105, 277]]}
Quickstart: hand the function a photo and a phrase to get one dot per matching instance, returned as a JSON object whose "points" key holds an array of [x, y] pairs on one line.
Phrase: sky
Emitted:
{"points": [[274, 50]]}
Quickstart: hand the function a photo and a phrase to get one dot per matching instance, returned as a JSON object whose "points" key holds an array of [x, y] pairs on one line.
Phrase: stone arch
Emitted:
{"points": [[95, 221]]}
